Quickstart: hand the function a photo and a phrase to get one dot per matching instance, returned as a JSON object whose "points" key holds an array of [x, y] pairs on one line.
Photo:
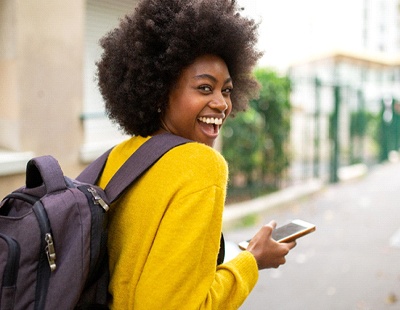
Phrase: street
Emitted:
{"points": [[352, 261]]}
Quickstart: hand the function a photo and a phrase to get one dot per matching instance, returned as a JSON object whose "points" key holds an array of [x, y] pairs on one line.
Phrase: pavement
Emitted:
{"points": [[236, 213], [350, 262]]}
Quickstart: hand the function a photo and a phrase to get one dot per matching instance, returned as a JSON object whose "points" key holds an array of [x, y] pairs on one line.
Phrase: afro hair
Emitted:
{"points": [[144, 56]]}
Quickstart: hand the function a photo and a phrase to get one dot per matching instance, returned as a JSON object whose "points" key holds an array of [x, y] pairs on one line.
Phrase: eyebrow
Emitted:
{"points": [[208, 76]]}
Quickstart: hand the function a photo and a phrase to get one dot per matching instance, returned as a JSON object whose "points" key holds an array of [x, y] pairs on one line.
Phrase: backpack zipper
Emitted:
{"points": [[50, 251], [97, 199], [46, 236], [44, 225], [47, 253], [46, 263]]}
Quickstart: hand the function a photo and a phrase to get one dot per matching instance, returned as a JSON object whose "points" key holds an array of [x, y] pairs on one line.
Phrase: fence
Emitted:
{"points": [[334, 125]]}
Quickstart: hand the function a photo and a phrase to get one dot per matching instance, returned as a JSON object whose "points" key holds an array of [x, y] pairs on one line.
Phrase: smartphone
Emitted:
{"points": [[287, 233]]}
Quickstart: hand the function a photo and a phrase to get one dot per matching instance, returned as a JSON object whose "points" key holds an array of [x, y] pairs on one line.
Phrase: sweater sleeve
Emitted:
{"points": [[180, 271]]}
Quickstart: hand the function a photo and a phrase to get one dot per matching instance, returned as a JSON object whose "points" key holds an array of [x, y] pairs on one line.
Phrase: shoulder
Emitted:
{"points": [[193, 161], [188, 161], [197, 154]]}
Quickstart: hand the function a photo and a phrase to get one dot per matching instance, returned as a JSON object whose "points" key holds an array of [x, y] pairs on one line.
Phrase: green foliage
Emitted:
{"points": [[388, 133], [255, 142], [274, 106], [359, 123], [242, 137]]}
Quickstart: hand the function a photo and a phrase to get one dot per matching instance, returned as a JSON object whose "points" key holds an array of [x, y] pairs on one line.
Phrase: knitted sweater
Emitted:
{"points": [[165, 232]]}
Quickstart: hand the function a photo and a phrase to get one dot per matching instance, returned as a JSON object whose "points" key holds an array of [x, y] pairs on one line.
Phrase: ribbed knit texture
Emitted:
{"points": [[165, 232]]}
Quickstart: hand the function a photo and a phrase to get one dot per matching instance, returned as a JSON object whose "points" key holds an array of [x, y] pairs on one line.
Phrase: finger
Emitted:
{"points": [[272, 224], [292, 244], [280, 262]]}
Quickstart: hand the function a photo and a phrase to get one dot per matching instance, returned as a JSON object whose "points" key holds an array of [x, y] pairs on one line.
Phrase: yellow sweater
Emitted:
{"points": [[165, 232]]}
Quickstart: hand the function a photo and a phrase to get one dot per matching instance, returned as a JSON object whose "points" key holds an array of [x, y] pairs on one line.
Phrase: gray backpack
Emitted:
{"points": [[53, 232]]}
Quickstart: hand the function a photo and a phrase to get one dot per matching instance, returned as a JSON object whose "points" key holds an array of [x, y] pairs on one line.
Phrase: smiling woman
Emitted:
{"points": [[200, 101], [146, 54], [181, 67]]}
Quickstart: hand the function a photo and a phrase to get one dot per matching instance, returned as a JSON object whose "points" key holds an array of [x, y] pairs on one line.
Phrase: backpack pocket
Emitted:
{"points": [[9, 265]]}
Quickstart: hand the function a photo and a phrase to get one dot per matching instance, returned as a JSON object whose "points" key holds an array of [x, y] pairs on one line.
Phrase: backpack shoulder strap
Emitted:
{"points": [[92, 172], [139, 162]]}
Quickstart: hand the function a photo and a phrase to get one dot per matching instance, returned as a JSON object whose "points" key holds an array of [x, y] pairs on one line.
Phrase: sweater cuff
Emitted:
{"points": [[247, 264]]}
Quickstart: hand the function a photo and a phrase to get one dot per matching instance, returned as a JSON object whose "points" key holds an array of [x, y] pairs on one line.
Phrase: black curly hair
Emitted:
{"points": [[144, 56]]}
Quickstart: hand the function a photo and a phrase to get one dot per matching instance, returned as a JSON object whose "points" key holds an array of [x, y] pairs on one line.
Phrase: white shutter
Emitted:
{"points": [[101, 17]]}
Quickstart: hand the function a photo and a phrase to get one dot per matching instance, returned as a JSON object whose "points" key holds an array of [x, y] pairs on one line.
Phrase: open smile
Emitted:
{"points": [[211, 120], [210, 126]]}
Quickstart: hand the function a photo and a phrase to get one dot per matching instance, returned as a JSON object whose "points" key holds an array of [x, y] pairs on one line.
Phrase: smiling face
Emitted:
{"points": [[200, 101]]}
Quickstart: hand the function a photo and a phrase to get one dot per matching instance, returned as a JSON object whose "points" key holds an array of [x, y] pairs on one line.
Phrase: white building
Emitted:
{"points": [[381, 26]]}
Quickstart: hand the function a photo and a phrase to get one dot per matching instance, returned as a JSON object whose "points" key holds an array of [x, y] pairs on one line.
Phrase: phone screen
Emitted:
{"points": [[286, 230], [287, 233]]}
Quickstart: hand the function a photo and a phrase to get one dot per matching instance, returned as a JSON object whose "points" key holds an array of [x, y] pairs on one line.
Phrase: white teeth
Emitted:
{"points": [[211, 120]]}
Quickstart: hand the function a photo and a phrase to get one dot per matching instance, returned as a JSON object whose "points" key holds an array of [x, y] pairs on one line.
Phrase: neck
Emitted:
{"points": [[163, 129], [164, 126]]}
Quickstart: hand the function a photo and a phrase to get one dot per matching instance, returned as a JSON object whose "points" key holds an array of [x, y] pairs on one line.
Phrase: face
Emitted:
{"points": [[200, 101]]}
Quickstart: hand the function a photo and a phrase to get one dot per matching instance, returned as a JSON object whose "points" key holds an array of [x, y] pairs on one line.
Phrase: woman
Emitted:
{"points": [[180, 67]]}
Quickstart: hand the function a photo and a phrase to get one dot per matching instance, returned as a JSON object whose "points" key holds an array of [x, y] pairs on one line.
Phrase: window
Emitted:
{"points": [[99, 133]]}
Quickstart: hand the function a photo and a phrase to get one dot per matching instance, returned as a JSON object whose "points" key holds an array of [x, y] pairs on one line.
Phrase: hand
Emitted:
{"points": [[267, 252]]}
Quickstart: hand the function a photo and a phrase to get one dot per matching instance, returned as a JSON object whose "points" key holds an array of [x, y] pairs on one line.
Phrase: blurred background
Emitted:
{"points": [[330, 89], [330, 79], [329, 107]]}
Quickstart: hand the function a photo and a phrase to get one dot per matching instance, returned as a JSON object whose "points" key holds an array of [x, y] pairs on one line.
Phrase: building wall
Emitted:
{"points": [[8, 76], [49, 77], [42, 60]]}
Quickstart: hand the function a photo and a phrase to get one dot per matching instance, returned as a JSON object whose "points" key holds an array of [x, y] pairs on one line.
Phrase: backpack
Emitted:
{"points": [[53, 231]]}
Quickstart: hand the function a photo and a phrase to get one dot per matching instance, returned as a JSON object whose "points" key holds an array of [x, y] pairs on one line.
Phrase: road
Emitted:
{"points": [[352, 261]]}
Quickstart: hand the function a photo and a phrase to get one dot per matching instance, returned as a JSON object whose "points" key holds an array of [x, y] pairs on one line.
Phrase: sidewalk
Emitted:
{"points": [[350, 262], [235, 212]]}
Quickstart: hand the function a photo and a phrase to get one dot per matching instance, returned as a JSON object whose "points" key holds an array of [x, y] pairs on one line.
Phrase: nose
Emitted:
{"points": [[220, 103]]}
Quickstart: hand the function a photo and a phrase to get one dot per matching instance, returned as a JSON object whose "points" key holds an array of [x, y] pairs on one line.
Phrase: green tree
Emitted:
{"points": [[255, 142], [242, 138], [274, 106]]}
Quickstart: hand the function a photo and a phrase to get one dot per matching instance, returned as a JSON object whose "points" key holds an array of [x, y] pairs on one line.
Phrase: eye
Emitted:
{"points": [[205, 88], [227, 90]]}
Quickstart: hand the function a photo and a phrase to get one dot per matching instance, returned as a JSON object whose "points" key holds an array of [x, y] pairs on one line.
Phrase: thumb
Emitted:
{"points": [[272, 224]]}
